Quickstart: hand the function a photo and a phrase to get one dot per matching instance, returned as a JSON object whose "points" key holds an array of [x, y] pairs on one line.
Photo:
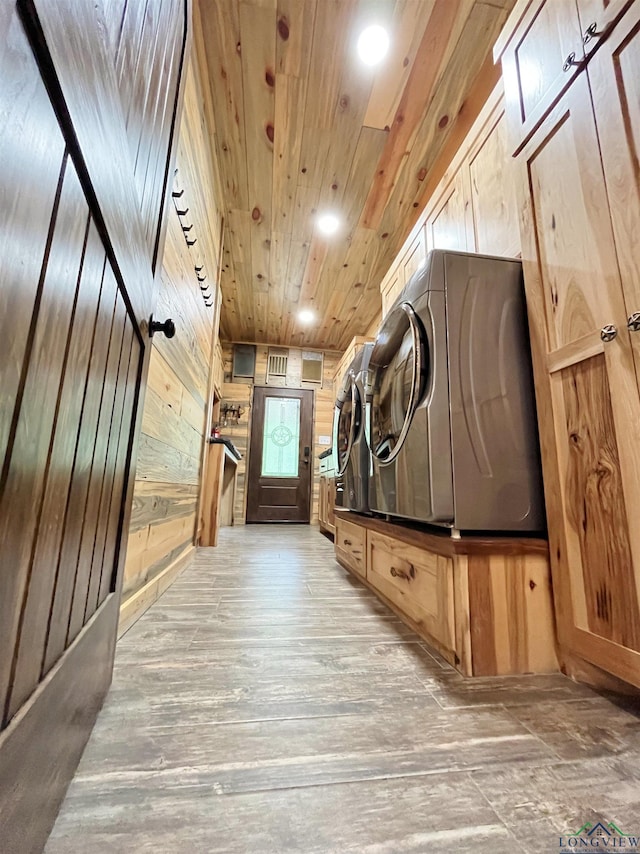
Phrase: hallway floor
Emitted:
{"points": [[270, 703]]}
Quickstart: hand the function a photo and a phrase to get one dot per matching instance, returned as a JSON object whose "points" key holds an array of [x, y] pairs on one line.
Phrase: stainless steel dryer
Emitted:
{"points": [[350, 447], [452, 423]]}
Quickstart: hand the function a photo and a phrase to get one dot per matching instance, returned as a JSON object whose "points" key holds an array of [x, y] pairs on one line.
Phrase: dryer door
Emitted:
{"points": [[349, 419], [397, 372]]}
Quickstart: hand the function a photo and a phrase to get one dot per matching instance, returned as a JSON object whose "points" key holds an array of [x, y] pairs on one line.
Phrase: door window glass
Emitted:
{"points": [[281, 437]]}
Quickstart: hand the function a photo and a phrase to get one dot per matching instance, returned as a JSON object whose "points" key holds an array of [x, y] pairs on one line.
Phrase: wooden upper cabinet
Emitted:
{"points": [[495, 218], [541, 59], [447, 227], [414, 257], [597, 17], [614, 74]]}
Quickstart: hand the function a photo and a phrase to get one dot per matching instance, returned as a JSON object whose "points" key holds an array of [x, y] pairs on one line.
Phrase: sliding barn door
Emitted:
{"points": [[89, 95]]}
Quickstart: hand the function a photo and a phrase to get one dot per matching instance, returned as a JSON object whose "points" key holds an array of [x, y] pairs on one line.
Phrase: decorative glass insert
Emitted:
{"points": [[281, 438]]}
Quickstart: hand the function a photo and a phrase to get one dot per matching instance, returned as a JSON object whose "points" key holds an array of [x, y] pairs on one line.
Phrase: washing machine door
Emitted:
{"points": [[397, 376], [349, 420]]}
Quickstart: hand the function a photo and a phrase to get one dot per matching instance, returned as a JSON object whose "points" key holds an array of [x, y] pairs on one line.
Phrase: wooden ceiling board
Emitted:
{"points": [[295, 29], [410, 21], [299, 125]]}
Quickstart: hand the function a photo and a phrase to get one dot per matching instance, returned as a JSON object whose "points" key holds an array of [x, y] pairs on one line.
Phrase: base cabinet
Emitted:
{"points": [[484, 604], [327, 505], [418, 582]]}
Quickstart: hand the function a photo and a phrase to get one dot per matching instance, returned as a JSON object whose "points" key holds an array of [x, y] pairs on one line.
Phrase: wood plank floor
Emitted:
{"points": [[269, 703]]}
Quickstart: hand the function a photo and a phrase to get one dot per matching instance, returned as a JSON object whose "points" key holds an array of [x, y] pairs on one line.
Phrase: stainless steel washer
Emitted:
{"points": [[452, 418]]}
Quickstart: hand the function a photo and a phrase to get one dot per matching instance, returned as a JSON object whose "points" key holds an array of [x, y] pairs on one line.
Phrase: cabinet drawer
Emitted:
{"points": [[418, 582], [350, 545], [543, 56]]}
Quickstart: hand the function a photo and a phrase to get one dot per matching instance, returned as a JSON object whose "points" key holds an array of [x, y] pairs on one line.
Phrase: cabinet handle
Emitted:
{"points": [[590, 33], [569, 61], [399, 573], [347, 542], [633, 323], [608, 332]]}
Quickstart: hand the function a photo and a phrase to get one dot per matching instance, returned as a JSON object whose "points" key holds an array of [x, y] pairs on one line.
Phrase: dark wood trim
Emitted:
{"points": [[43, 744], [445, 545]]}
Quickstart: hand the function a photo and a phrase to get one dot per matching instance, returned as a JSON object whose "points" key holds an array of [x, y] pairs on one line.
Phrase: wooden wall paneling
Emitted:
{"points": [[162, 422], [157, 502], [43, 571], [26, 464], [67, 558], [135, 604], [91, 520], [30, 192], [153, 548], [160, 463], [157, 180]]}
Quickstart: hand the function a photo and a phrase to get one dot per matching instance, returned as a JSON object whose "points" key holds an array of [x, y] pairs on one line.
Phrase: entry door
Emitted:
{"points": [[81, 201], [280, 467]]}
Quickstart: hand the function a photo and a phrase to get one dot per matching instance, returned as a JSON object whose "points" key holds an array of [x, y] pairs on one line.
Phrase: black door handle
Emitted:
{"points": [[168, 327]]}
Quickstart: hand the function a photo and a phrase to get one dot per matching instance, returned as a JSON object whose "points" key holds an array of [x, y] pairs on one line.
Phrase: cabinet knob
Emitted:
{"points": [[633, 322], [168, 328], [608, 332], [569, 61], [590, 33]]}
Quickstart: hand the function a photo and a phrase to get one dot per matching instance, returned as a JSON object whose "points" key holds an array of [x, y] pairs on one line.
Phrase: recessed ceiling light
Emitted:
{"points": [[373, 44], [328, 223], [306, 316]]}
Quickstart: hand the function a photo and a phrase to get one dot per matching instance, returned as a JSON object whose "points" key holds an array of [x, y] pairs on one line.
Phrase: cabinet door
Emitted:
{"points": [[543, 56], [447, 227], [391, 287], [414, 257], [614, 74], [597, 17], [495, 215], [590, 450]]}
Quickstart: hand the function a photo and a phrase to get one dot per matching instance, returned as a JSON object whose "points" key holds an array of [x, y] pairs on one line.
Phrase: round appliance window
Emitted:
{"points": [[397, 370], [348, 426]]}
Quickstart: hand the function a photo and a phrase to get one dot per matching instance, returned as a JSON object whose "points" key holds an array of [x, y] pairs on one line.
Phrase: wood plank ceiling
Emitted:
{"points": [[302, 126]]}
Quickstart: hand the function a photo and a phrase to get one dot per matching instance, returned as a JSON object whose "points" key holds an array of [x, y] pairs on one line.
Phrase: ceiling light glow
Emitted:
{"points": [[328, 223], [306, 316], [373, 44]]}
